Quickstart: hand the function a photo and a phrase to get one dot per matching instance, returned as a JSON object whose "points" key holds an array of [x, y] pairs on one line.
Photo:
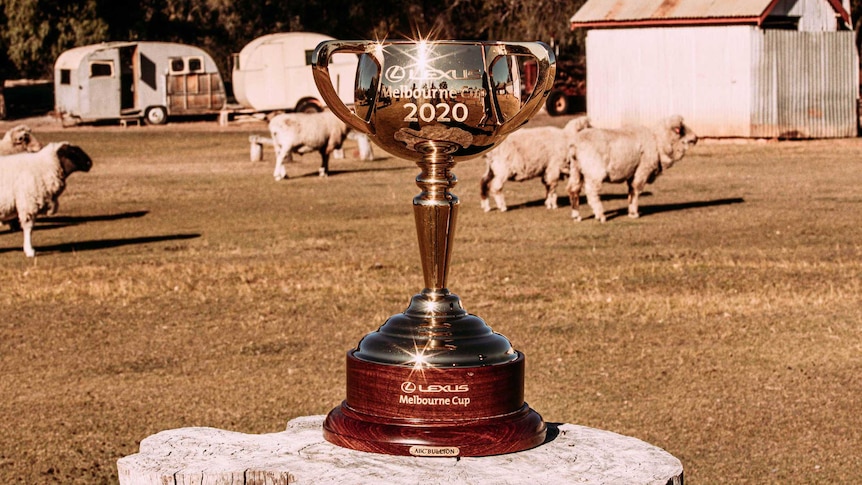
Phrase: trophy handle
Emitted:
{"points": [[547, 69], [320, 70]]}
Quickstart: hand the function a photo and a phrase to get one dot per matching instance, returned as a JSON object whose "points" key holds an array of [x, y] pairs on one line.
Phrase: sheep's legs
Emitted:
{"points": [[576, 181], [27, 227], [282, 152], [550, 192], [591, 187], [484, 186], [496, 190], [53, 206], [551, 198], [634, 192], [323, 171]]}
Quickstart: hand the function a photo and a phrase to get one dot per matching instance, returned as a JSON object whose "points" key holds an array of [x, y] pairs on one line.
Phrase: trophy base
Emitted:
{"points": [[448, 412], [493, 436]]}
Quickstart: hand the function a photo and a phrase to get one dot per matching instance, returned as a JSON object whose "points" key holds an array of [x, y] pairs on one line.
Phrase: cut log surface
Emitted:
{"points": [[299, 455]]}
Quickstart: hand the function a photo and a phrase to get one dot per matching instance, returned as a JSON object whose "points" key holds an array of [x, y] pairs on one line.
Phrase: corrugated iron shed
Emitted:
{"points": [[620, 13], [750, 68]]}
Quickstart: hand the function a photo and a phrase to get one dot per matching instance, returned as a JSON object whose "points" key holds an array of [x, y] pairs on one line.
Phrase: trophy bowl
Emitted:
{"points": [[436, 380]]}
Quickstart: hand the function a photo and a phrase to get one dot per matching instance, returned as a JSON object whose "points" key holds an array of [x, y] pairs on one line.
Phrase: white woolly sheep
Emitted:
{"points": [[635, 155], [305, 132], [526, 154], [19, 139], [31, 182]]}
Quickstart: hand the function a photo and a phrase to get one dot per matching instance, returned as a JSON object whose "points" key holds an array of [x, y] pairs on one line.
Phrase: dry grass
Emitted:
{"points": [[181, 286]]}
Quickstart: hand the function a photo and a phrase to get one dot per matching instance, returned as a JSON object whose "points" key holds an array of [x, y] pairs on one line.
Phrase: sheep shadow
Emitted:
{"points": [[335, 173], [565, 201], [648, 210], [59, 222], [98, 244], [645, 210], [75, 220]]}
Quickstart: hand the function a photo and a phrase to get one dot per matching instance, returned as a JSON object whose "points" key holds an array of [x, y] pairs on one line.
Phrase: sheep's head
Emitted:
{"points": [[677, 138], [72, 158], [577, 124], [23, 140]]}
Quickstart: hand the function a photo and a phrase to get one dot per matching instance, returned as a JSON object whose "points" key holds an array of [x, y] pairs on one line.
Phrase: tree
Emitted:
{"points": [[36, 31]]}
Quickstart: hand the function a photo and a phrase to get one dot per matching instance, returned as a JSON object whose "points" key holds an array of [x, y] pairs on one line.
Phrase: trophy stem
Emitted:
{"points": [[436, 211]]}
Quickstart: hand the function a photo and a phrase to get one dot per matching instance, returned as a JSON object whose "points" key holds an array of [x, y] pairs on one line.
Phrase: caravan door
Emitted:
{"points": [[102, 97]]}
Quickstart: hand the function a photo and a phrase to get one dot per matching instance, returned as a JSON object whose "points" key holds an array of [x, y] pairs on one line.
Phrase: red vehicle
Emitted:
{"points": [[569, 94]]}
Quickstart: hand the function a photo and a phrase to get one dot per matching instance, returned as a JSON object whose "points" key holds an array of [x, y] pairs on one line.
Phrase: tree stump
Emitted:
{"points": [[300, 455]]}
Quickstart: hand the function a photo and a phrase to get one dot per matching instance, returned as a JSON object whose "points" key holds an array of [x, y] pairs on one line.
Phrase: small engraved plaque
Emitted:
{"points": [[431, 451]]}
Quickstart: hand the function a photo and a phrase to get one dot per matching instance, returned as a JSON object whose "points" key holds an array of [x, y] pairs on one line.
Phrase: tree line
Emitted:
{"points": [[33, 33]]}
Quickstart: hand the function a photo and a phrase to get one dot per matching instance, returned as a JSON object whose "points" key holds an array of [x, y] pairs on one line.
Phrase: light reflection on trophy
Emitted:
{"points": [[436, 380]]}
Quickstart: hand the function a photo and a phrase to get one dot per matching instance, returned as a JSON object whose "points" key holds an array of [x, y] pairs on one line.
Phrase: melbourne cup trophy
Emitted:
{"points": [[436, 380]]}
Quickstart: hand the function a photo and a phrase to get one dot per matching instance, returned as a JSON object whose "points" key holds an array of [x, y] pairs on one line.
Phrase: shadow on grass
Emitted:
{"points": [[334, 173], [58, 222], [564, 201], [645, 210], [97, 244], [658, 208], [73, 220]]}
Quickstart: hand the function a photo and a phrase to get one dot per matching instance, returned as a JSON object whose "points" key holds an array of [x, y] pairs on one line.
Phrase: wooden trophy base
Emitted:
{"points": [[436, 412]]}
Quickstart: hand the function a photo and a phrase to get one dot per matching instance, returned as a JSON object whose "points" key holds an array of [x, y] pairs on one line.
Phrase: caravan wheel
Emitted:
{"points": [[156, 115], [309, 106], [557, 103]]}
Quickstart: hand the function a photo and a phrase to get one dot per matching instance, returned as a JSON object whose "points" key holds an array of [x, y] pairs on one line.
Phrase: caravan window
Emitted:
{"points": [[196, 64], [183, 65], [148, 71], [101, 69], [178, 65], [65, 76]]}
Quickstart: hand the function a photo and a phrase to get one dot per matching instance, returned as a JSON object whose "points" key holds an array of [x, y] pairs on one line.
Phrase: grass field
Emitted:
{"points": [[179, 285]]}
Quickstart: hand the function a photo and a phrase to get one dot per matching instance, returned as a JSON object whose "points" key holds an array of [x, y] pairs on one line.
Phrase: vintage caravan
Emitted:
{"points": [[136, 80], [273, 73]]}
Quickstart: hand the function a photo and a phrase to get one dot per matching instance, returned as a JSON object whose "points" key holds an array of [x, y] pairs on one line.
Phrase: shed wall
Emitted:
{"points": [[805, 85], [726, 81], [636, 76]]}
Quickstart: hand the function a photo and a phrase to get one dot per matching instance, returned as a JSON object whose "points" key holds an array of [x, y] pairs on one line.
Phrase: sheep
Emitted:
{"points": [[635, 155], [306, 132], [31, 182], [19, 139], [526, 154]]}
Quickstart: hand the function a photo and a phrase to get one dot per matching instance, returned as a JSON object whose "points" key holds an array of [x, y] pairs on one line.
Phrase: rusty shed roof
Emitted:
{"points": [[627, 13]]}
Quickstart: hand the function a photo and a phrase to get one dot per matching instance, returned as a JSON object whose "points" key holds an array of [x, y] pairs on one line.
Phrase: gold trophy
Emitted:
{"points": [[436, 380]]}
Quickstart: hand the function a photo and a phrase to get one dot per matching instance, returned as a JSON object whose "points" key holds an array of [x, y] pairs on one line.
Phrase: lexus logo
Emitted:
{"points": [[395, 74], [408, 387]]}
